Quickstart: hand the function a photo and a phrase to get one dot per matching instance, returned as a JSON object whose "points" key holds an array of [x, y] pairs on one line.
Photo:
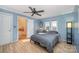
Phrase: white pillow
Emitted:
{"points": [[41, 33]]}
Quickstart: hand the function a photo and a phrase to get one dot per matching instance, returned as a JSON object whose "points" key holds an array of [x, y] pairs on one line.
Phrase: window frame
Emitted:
{"points": [[55, 26]]}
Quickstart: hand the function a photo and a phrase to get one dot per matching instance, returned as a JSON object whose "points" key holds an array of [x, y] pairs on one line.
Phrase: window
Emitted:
{"points": [[54, 25], [51, 25], [47, 26]]}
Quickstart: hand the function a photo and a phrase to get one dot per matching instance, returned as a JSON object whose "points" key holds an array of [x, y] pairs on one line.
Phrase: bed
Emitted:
{"points": [[48, 40]]}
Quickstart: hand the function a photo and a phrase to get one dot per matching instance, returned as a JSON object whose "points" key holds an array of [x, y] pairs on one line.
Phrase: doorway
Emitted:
{"points": [[22, 27]]}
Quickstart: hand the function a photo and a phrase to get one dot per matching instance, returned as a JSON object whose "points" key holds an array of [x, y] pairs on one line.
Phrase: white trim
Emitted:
{"points": [[75, 49], [17, 29], [12, 10]]}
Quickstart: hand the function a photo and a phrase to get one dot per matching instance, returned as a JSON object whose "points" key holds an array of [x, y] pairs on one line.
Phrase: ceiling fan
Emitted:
{"points": [[33, 11]]}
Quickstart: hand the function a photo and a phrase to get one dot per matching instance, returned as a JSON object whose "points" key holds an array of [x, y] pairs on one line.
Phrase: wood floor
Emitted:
{"points": [[24, 46]]}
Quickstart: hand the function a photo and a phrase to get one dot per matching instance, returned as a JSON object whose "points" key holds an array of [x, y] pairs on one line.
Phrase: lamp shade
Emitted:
{"points": [[69, 25]]}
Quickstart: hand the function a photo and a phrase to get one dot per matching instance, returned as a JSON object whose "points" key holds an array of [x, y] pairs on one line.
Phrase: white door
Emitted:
{"points": [[6, 28]]}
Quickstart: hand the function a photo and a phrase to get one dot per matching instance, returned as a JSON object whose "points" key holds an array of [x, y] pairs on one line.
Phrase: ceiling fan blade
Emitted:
{"points": [[32, 14], [38, 14], [34, 10], [31, 8], [40, 11], [27, 12]]}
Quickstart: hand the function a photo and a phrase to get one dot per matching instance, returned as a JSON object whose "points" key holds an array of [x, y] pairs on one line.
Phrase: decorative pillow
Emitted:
{"points": [[53, 32], [41, 33]]}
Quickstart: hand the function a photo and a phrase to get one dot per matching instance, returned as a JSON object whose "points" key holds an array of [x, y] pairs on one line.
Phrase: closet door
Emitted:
{"points": [[6, 28]]}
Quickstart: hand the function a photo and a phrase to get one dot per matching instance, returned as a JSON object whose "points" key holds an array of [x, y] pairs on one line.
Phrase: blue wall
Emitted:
{"points": [[76, 32], [62, 24], [61, 20], [14, 27], [36, 25]]}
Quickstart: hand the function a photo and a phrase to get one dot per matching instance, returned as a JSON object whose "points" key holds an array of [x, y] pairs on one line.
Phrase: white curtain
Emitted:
{"points": [[54, 25]]}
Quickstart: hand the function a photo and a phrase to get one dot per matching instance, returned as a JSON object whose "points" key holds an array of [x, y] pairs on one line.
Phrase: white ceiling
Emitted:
{"points": [[50, 10]]}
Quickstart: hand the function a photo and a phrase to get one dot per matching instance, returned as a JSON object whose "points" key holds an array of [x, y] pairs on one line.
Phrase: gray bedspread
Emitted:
{"points": [[47, 40]]}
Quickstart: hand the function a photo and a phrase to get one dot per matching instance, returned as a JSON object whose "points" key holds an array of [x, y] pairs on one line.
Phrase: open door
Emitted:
{"points": [[22, 27]]}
